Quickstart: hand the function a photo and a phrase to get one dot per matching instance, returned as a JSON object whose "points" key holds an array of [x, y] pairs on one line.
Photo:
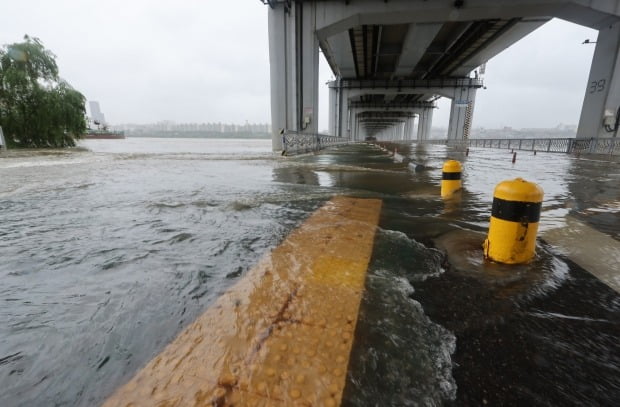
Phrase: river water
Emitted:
{"points": [[107, 253]]}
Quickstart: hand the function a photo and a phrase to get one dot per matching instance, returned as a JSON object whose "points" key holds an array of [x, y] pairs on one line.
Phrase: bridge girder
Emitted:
{"points": [[378, 50]]}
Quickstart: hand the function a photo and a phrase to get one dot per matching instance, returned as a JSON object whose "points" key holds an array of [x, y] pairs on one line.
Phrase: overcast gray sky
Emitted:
{"points": [[207, 61]]}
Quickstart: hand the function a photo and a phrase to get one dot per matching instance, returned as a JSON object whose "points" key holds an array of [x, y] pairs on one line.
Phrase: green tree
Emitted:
{"points": [[37, 108]]}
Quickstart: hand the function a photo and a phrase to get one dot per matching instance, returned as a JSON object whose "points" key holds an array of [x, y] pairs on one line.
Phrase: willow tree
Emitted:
{"points": [[37, 108]]}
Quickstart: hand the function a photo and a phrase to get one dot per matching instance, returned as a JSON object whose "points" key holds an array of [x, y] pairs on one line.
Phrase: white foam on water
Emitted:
{"points": [[411, 353]]}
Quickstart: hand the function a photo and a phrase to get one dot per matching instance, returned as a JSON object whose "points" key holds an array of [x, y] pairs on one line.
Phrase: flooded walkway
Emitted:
{"points": [[109, 255]]}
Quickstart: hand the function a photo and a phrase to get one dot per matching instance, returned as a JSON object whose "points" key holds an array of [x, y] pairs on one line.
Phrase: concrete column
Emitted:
{"points": [[333, 97], [278, 38], [353, 113], [428, 124], [307, 67], [294, 70], [291, 74], [424, 124], [349, 123], [343, 113], [602, 97], [461, 113], [357, 136], [408, 128]]}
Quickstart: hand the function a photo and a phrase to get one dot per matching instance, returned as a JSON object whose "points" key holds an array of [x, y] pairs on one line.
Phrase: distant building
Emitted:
{"points": [[194, 129], [95, 112]]}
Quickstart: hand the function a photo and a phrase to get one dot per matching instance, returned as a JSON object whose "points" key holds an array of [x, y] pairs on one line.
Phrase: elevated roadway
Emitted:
{"points": [[401, 54]]}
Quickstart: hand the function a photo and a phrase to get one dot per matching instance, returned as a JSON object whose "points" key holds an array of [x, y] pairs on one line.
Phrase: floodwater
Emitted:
{"points": [[105, 255]]}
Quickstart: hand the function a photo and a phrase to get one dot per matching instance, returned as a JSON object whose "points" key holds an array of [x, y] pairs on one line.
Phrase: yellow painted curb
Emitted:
{"points": [[283, 334]]}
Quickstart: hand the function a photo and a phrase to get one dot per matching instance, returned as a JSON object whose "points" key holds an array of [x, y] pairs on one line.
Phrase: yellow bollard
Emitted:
{"points": [[514, 222], [450, 178]]}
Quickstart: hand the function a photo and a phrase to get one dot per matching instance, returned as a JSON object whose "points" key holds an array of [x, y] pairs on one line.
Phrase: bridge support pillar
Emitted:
{"points": [[409, 128], [354, 125], [278, 63], [294, 69], [601, 103], [333, 98], [406, 129], [308, 68], [424, 124], [357, 125], [461, 114], [342, 119], [338, 109]]}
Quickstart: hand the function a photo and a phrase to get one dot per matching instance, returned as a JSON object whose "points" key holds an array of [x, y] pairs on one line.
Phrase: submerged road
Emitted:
{"points": [[109, 255]]}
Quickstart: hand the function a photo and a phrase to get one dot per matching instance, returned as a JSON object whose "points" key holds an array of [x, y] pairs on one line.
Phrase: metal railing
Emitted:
{"points": [[299, 143], [608, 146], [551, 145]]}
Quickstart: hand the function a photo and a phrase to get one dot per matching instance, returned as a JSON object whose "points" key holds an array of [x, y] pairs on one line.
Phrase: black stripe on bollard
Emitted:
{"points": [[514, 211], [451, 176]]}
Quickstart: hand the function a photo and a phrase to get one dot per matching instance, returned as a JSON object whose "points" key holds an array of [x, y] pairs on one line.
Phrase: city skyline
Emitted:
{"points": [[222, 127], [171, 125]]}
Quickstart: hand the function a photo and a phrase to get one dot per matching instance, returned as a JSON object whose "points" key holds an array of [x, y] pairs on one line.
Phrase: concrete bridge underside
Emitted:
{"points": [[390, 54]]}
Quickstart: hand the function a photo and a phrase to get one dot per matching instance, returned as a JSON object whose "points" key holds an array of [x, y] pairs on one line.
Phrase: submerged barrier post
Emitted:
{"points": [[467, 152], [514, 222], [514, 157], [450, 178]]}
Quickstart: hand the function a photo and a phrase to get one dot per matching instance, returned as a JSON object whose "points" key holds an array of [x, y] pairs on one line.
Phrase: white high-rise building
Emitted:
{"points": [[95, 112]]}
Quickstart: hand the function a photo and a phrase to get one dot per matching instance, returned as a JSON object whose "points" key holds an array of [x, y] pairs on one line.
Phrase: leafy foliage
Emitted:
{"points": [[37, 108]]}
